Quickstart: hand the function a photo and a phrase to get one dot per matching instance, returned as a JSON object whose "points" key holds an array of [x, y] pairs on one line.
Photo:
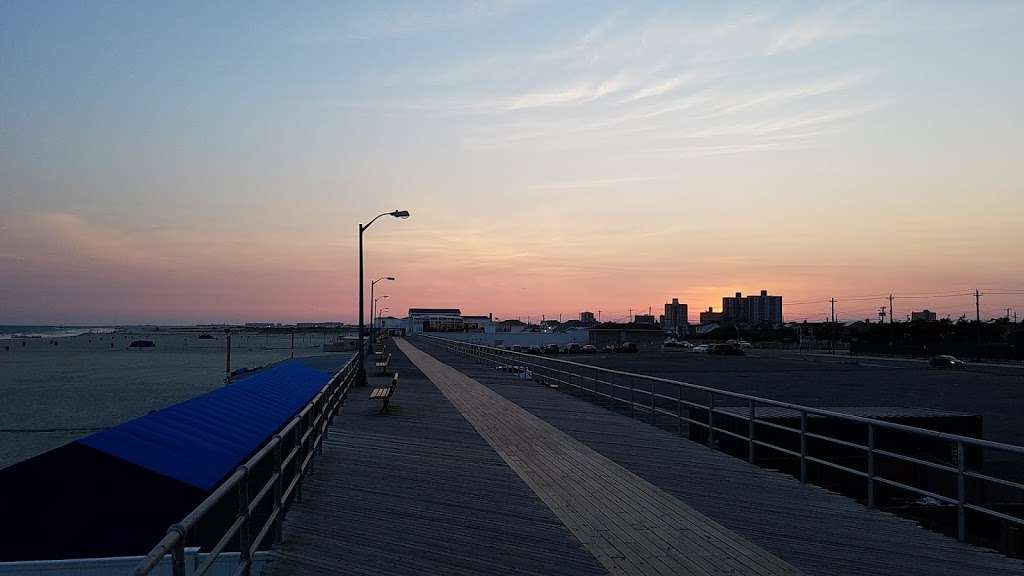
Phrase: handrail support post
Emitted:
{"points": [[871, 466]]}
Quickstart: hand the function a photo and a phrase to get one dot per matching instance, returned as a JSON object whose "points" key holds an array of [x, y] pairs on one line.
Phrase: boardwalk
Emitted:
{"points": [[418, 491], [628, 524], [422, 491]]}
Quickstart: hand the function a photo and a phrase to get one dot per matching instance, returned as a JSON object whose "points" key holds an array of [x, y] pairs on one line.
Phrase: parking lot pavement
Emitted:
{"points": [[993, 392]]}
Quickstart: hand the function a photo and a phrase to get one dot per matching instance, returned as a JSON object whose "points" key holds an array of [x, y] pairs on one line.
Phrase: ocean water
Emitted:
{"points": [[9, 332], [59, 387]]}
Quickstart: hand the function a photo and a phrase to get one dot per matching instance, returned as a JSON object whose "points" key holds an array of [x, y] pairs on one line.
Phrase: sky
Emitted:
{"points": [[210, 162]]}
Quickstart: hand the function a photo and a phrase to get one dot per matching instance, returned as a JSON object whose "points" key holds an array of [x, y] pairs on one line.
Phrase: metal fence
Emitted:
{"points": [[303, 439], [740, 418]]}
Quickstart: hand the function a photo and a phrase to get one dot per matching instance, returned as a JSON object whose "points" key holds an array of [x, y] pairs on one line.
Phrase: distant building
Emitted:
{"points": [[710, 317], [392, 325], [645, 336], [762, 309], [734, 308], [676, 317], [476, 324], [510, 326], [644, 319], [435, 320], [924, 316], [446, 320], [588, 318]]}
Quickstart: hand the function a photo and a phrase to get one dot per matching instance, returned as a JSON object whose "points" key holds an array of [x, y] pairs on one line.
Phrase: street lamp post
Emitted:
{"points": [[373, 303], [374, 312], [361, 370]]}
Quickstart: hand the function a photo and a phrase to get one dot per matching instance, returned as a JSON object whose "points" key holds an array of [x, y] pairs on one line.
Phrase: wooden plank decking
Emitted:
{"points": [[418, 491], [817, 531], [628, 524]]}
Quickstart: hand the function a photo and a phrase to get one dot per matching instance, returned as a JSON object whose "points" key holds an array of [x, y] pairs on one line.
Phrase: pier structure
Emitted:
{"points": [[476, 470]]}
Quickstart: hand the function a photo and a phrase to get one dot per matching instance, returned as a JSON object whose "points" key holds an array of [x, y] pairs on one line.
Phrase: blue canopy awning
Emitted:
{"points": [[202, 440]]}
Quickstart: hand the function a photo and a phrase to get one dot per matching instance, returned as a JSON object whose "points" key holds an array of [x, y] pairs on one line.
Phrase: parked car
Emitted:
{"points": [[520, 372], [726, 350], [946, 361], [627, 348], [552, 349], [534, 350], [608, 348], [588, 349], [517, 348], [700, 349], [673, 343], [573, 348]]}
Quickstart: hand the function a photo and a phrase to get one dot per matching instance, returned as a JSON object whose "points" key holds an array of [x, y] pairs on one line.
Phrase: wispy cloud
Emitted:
{"points": [[566, 95], [776, 96], [589, 184], [775, 125], [657, 89]]}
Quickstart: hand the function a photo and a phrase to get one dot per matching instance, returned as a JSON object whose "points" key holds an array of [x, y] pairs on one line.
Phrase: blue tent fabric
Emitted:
{"points": [[202, 440]]}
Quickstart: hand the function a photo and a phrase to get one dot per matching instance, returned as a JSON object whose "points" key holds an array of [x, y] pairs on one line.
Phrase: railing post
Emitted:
{"points": [[871, 465], [751, 452], [178, 556], [245, 555], [961, 492], [300, 455], [803, 447], [632, 395], [679, 410], [278, 491], [711, 420], [654, 413]]}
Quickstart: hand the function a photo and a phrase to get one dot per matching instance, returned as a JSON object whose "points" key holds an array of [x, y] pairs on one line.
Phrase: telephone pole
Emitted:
{"points": [[892, 351], [977, 318], [833, 325]]}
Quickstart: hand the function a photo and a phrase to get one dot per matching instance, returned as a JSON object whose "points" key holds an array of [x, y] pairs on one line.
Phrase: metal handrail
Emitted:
{"points": [[588, 372], [307, 429]]}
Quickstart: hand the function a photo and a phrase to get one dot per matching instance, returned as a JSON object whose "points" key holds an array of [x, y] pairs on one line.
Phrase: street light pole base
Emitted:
{"points": [[361, 377]]}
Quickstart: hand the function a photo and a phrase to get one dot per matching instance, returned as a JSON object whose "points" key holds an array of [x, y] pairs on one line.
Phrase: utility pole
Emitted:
{"points": [[977, 318], [892, 351], [630, 315], [833, 325], [598, 316], [227, 359]]}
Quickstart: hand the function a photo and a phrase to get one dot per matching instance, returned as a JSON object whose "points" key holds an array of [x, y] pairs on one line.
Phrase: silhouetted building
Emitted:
{"points": [[676, 317], [644, 319], [764, 309], [734, 308], [587, 318], [645, 336], [710, 316], [758, 310], [510, 326], [924, 316]]}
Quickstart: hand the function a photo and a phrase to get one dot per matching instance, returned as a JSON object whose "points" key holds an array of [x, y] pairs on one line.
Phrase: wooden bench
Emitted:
{"points": [[382, 362], [384, 393]]}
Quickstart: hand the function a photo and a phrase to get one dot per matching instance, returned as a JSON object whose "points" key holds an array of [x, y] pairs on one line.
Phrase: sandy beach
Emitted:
{"points": [[55, 393]]}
